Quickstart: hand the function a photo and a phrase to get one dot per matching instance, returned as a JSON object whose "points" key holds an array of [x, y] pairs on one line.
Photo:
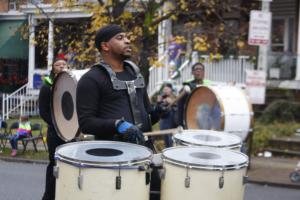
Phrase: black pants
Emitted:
{"points": [[53, 141]]}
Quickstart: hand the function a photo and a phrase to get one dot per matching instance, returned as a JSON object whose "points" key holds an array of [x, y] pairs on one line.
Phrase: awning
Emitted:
{"points": [[12, 46]]}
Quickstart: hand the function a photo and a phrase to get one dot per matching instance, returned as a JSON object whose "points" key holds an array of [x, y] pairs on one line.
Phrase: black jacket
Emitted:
{"points": [[44, 105], [99, 105]]}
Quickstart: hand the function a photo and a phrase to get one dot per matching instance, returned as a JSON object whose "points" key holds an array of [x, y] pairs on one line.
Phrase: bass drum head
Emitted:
{"points": [[206, 158], [103, 153], [63, 104], [221, 108]]}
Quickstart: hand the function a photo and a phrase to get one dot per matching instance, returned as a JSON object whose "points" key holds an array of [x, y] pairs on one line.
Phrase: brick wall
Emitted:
{"points": [[3, 5]]}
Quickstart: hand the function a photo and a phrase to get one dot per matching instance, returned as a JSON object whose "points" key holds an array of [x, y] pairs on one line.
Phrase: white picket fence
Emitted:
{"points": [[23, 101], [218, 70]]}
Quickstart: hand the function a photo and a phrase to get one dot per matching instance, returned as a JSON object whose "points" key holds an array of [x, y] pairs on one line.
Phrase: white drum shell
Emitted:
{"points": [[99, 183], [237, 109], [98, 164], [203, 184], [205, 167]]}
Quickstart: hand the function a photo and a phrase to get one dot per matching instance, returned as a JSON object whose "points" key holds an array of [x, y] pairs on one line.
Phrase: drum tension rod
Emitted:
{"points": [[221, 179], [79, 179], [118, 179], [56, 171], [187, 180]]}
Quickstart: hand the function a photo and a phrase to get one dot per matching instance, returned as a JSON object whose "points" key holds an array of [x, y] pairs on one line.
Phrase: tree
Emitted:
{"points": [[202, 23]]}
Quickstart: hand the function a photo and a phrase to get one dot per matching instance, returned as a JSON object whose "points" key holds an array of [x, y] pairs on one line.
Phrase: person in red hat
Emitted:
{"points": [[53, 140]]}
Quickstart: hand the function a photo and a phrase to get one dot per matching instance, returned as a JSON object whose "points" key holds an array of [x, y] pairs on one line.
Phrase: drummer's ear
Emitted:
{"points": [[104, 46]]}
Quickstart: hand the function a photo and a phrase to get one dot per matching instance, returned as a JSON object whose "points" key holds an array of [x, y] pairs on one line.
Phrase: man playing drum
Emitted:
{"points": [[198, 71], [112, 101]]}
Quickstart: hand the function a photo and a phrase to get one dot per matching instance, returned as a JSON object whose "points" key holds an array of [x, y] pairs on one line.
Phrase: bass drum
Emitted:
{"points": [[224, 108], [63, 104]]}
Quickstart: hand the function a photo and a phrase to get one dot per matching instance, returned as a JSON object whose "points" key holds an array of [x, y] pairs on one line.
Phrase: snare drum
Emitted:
{"points": [[222, 107], [208, 138], [104, 170], [203, 173], [63, 104]]}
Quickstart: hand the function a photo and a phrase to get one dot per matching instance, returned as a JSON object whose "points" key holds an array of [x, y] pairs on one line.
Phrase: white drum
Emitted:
{"points": [[209, 138], [63, 104], [225, 108], [203, 173], [103, 170]]}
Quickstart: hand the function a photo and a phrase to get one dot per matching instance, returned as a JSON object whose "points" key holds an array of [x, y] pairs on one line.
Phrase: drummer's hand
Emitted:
{"points": [[130, 132], [162, 108]]}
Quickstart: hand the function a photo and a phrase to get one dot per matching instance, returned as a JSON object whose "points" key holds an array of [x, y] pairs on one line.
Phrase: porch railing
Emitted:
{"points": [[218, 70], [23, 101]]}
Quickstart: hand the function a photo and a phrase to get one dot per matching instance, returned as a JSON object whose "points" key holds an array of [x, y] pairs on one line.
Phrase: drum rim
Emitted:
{"points": [[232, 146], [235, 145], [203, 166], [84, 163], [60, 135]]}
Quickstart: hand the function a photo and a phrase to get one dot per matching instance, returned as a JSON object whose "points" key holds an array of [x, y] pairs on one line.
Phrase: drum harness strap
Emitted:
{"points": [[130, 86]]}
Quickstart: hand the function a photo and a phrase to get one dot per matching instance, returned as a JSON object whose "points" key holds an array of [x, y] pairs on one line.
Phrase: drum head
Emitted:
{"points": [[63, 104], [205, 158], [198, 110], [103, 153], [208, 138]]}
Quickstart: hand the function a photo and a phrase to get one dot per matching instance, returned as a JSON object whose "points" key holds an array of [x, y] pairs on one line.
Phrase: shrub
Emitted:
{"points": [[264, 132]]}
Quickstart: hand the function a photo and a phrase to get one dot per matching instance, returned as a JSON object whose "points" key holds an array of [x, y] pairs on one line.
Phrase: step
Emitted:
{"points": [[289, 143], [286, 153]]}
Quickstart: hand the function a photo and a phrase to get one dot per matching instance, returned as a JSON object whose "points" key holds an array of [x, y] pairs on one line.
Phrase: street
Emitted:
{"points": [[25, 181]]}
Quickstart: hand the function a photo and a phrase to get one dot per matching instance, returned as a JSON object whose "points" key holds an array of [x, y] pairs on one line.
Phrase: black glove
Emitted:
{"points": [[130, 132]]}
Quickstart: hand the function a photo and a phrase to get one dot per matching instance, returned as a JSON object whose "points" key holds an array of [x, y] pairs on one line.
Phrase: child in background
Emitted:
{"points": [[23, 131]]}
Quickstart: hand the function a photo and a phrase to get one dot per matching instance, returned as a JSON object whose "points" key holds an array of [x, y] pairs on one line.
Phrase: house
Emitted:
{"points": [[24, 61]]}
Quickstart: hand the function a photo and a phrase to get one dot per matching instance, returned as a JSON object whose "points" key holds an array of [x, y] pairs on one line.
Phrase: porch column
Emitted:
{"points": [[164, 32], [298, 48], [31, 56], [50, 45]]}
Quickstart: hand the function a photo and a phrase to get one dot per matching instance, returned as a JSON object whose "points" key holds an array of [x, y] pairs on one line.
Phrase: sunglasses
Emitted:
{"points": [[198, 69]]}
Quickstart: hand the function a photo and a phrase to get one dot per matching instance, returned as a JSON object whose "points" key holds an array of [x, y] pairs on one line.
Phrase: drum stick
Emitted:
{"points": [[162, 132]]}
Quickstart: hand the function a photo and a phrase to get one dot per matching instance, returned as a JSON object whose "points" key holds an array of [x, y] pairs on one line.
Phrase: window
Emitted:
{"points": [[282, 34], [12, 5]]}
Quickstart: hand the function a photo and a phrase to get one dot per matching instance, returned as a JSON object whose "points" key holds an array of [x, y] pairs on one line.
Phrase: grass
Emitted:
{"points": [[29, 154]]}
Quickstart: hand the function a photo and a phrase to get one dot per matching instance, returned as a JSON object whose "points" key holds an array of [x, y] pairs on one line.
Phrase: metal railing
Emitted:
{"points": [[217, 69], [158, 73], [23, 101]]}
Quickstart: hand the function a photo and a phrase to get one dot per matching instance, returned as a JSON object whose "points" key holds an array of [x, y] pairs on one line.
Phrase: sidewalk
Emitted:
{"points": [[272, 171]]}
